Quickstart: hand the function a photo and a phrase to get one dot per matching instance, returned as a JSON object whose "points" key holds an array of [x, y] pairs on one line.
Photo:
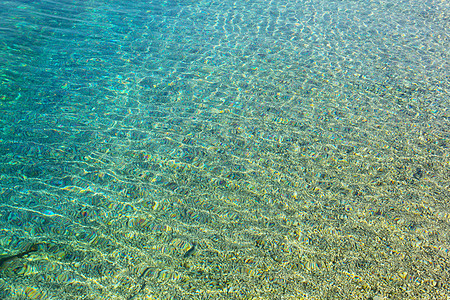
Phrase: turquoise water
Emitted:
{"points": [[224, 150]]}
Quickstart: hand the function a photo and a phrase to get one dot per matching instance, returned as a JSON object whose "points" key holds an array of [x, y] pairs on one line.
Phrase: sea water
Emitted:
{"points": [[246, 149]]}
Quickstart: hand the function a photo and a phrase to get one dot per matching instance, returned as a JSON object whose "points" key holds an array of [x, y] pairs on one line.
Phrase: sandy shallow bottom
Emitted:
{"points": [[220, 150]]}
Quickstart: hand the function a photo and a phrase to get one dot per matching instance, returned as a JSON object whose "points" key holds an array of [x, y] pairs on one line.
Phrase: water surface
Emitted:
{"points": [[225, 150]]}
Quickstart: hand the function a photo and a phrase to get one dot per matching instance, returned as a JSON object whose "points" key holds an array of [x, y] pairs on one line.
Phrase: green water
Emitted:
{"points": [[224, 150]]}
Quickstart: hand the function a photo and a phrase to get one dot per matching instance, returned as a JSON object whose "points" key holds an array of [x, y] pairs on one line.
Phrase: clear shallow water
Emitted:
{"points": [[224, 150]]}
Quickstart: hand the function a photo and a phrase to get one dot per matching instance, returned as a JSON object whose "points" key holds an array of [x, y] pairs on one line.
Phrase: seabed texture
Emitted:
{"points": [[224, 150]]}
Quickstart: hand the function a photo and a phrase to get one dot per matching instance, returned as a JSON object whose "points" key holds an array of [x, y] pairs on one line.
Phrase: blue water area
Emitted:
{"points": [[224, 150]]}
